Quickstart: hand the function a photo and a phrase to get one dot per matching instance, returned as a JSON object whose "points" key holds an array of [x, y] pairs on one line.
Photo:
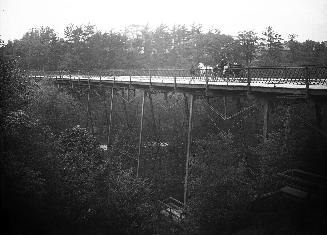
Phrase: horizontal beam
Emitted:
{"points": [[199, 86]]}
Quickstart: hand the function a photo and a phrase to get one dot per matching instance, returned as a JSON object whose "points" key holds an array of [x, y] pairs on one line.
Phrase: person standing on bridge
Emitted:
{"points": [[223, 65]]}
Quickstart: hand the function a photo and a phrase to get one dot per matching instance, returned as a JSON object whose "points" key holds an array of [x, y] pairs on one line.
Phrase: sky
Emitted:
{"points": [[305, 18]]}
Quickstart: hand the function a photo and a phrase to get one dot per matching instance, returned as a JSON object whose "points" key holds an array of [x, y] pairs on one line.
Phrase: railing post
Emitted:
{"points": [[175, 84], [207, 82], [71, 82], [307, 81], [130, 79], [248, 79], [150, 77]]}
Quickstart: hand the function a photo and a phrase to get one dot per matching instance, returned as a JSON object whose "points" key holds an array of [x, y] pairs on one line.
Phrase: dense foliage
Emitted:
{"points": [[85, 48]]}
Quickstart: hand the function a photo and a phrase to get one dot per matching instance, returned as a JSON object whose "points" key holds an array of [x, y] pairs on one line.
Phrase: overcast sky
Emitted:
{"points": [[306, 18]]}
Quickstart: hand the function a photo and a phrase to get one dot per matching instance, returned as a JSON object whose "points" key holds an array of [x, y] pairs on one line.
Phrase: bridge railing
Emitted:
{"points": [[262, 75]]}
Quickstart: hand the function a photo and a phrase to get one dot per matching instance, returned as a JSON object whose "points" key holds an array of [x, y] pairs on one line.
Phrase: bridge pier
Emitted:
{"points": [[188, 152], [124, 107], [140, 136], [110, 116], [89, 122]]}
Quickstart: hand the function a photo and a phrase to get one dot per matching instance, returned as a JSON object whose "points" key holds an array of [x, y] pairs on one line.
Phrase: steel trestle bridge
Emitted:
{"points": [[290, 80], [259, 84]]}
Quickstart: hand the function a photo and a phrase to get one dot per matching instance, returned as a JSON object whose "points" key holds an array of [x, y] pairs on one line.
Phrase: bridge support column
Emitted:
{"points": [[89, 122], [125, 107], [265, 120], [110, 116], [140, 136], [186, 110], [188, 152]]}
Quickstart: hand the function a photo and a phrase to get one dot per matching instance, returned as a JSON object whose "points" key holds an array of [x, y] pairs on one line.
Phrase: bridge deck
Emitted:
{"points": [[200, 84], [291, 80]]}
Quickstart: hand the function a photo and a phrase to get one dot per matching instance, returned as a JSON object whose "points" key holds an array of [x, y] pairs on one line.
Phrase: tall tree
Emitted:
{"points": [[248, 45], [272, 44]]}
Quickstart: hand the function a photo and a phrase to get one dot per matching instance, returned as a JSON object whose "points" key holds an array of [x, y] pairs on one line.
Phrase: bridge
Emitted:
{"points": [[266, 84], [303, 81]]}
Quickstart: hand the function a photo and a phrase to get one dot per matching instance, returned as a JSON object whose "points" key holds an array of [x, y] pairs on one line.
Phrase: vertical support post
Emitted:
{"points": [[57, 81], [88, 106], [186, 109], [307, 81], [207, 82], [110, 116], [188, 153], [175, 84], [248, 79], [140, 137], [265, 120], [150, 77], [124, 107], [130, 78], [71, 82]]}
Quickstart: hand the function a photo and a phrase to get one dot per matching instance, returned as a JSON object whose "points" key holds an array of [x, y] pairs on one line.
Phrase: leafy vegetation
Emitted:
{"points": [[87, 49]]}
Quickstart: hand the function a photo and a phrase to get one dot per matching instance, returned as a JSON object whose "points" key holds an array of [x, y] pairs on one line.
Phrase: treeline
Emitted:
{"points": [[86, 48]]}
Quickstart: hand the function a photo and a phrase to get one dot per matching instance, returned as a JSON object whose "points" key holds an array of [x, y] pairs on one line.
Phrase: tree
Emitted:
{"points": [[35, 49], [271, 47], [248, 45]]}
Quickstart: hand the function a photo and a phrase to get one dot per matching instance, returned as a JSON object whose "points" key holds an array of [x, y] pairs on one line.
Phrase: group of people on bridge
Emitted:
{"points": [[223, 69]]}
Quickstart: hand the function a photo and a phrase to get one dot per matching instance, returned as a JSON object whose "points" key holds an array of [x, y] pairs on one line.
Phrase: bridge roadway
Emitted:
{"points": [[302, 81]]}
